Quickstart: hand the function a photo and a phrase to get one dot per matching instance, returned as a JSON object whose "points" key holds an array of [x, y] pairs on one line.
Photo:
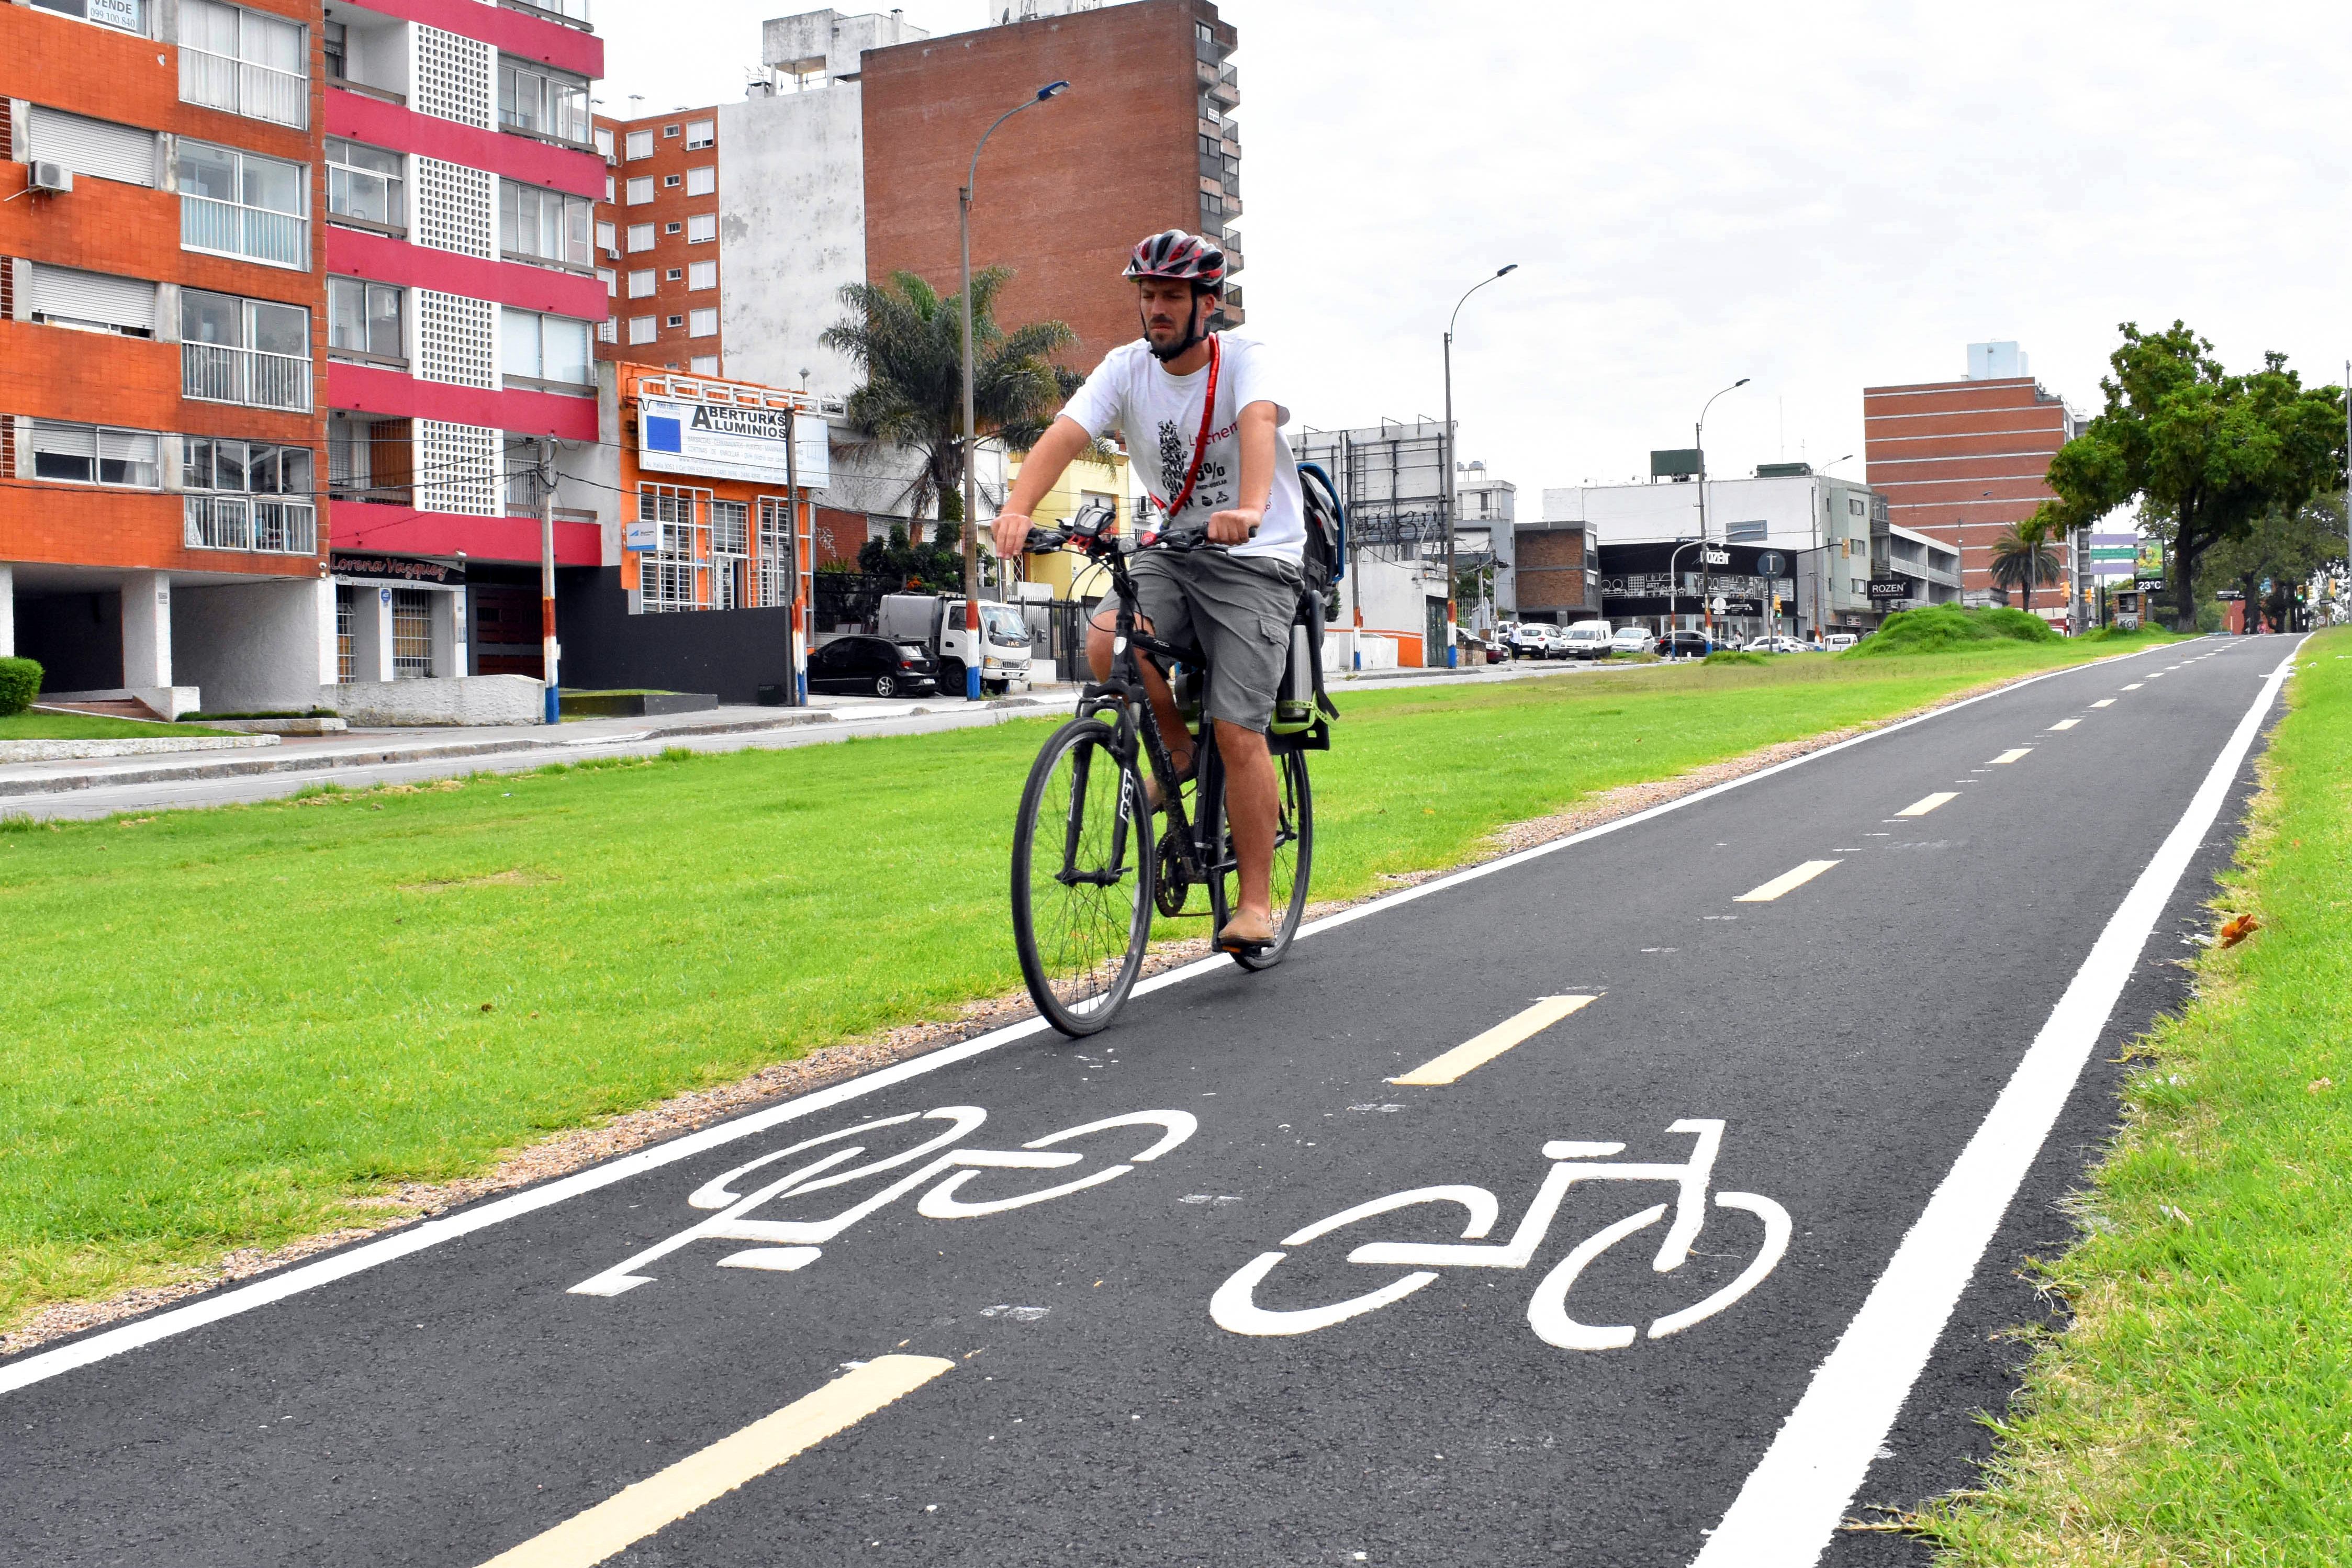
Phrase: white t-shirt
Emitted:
{"points": [[1159, 416]]}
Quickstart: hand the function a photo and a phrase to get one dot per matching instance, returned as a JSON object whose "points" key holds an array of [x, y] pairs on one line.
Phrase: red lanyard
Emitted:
{"points": [[1200, 442]]}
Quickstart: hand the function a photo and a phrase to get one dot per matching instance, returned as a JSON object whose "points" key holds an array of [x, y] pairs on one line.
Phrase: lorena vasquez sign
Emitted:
{"points": [[395, 569], [726, 441]]}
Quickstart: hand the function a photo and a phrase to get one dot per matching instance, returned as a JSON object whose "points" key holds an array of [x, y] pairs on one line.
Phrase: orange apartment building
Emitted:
{"points": [[657, 241], [1962, 461], [161, 293]]}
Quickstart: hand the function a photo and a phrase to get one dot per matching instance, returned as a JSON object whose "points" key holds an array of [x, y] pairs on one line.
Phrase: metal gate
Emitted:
{"points": [[1432, 646]]}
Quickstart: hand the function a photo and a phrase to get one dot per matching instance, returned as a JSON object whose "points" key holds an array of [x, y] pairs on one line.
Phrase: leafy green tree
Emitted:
{"points": [[2285, 550], [907, 339], [934, 568], [2208, 451], [2022, 558]]}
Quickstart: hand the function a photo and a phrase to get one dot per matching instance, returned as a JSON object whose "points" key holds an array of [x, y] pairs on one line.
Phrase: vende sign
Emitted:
{"points": [[729, 442]]}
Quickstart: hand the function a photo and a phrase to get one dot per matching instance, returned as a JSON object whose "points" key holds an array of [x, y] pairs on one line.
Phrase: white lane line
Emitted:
{"points": [[27, 1370], [2065, 723], [633, 1513], [2135, 686], [2155, 675], [2011, 755], [1480, 1049], [1926, 804], [1784, 882], [1793, 1500], [2104, 702]]}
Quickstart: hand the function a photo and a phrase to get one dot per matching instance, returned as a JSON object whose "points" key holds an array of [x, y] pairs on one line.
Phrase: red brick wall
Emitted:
{"points": [[1065, 188], [671, 205], [1935, 448], [1549, 567], [105, 226], [840, 535]]}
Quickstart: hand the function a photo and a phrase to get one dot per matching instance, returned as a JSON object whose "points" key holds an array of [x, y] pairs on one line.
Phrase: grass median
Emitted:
{"points": [[227, 1024], [2198, 1411]]}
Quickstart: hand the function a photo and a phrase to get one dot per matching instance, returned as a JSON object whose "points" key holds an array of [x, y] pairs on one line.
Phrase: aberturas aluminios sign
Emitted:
{"points": [[728, 441]]}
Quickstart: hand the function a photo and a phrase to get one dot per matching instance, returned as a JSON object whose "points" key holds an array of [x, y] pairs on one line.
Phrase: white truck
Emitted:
{"points": [[935, 624], [1585, 639]]}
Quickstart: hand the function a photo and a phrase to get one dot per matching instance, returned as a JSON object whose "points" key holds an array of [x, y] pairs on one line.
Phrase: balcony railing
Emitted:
{"points": [[215, 373], [258, 92], [254, 233], [252, 522]]}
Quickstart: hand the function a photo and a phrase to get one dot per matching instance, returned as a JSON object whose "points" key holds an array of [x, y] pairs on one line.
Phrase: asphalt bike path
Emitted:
{"points": [[1605, 1206]]}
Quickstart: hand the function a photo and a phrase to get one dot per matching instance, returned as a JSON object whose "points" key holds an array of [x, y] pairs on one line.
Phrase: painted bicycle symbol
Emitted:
{"points": [[1235, 1306], [789, 1244]]}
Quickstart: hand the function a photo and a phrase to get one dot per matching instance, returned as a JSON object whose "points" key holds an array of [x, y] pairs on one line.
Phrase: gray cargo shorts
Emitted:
{"points": [[1238, 609]]}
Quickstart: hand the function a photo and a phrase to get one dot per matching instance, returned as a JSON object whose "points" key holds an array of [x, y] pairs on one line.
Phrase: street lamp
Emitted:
{"points": [[1674, 581], [970, 485], [1451, 655], [1706, 572], [1960, 552]]}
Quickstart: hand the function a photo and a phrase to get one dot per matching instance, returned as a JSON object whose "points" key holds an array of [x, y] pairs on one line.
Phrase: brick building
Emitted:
{"points": [[1963, 460], [657, 241], [161, 322]]}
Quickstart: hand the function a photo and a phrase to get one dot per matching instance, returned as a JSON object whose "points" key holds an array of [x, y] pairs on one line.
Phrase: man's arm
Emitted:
{"points": [[1236, 527], [1055, 451]]}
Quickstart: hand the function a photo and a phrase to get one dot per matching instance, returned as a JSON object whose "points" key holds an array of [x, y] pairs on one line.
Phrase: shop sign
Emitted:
{"points": [[726, 441], [1890, 587], [396, 569]]}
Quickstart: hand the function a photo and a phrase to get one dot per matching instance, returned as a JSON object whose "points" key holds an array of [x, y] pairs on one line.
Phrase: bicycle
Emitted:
{"points": [[1088, 873], [1235, 1306]]}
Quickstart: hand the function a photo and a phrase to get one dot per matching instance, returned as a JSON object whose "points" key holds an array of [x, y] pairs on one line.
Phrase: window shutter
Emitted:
{"points": [[98, 147], [93, 297]]}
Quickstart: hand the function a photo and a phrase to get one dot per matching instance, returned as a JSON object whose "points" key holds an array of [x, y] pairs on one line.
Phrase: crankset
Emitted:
{"points": [[1175, 879]]}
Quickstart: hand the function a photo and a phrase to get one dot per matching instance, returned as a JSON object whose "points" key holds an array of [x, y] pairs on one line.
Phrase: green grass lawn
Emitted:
{"points": [[225, 1023], [91, 727], [2199, 1411]]}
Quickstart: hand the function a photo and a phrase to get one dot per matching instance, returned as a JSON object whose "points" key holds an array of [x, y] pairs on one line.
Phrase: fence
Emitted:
{"points": [[237, 522], [216, 374]]}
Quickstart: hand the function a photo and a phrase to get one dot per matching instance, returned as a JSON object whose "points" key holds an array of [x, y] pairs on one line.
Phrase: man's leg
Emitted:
{"points": [[1173, 734], [1252, 798]]}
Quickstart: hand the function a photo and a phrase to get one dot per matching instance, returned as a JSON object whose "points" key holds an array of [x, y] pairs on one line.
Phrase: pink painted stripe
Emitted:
{"points": [[514, 32], [355, 253], [371, 120], [366, 389], [400, 530]]}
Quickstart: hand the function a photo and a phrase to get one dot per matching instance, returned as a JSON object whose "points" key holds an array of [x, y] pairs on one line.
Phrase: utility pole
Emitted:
{"points": [[547, 650], [1706, 567], [796, 638]]}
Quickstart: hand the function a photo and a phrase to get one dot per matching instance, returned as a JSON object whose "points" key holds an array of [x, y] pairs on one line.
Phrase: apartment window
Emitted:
{"points": [[641, 143], [251, 351], [641, 328], [365, 182], [608, 330], [88, 146], [243, 62], [700, 133], [612, 281], [669, 229], [604, 142], [641, 190], [544, 225], [703, 229], [670, 576], [94, 455], [702, 324], [608, 187], [606, 238], [537, 347], [673, 321], [641, 284], [641, 236], [706, 364], [92, 301], [130, 15], [675, 273], [364, 318], [250, 495], [702, 182], [669, 181], [670, 131], [703, 275], [238, 203], [541, 102]]}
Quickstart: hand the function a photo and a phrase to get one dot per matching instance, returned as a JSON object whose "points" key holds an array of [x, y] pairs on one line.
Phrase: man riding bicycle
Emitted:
{"points": [[1201, 407]]}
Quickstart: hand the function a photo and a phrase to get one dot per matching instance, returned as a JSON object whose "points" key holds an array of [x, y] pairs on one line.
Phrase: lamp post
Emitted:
{"points": [[971, 486], [1452, 658], [1706, 572], [1674, 581], [1816, 547], [1960, 551]]}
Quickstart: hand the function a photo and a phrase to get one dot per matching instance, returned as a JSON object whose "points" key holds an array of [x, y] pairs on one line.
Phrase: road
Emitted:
{"points": [[1854, 1018]]}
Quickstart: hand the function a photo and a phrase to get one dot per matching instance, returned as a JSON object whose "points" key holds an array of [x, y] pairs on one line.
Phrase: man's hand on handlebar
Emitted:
{"points": [[1238, 526], [1012, 532]]}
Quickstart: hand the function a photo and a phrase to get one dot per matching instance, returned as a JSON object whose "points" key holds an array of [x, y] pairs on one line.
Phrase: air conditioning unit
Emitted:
{"points": [[49, 176], [611, 254]]}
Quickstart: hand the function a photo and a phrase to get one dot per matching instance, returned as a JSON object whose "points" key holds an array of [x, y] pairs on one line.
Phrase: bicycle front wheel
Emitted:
{"points": [[1293, 859], [1082, 866]]}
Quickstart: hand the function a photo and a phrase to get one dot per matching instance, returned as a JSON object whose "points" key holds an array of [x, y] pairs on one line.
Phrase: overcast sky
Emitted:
{"points": [[1820, 198]]}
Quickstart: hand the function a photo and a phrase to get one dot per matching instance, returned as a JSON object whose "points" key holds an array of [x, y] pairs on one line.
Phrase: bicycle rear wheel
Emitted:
{"points": [[1082, 865], [1294, 858]]}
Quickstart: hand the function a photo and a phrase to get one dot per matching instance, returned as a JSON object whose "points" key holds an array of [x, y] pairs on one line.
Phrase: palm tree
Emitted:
{"points": [[2022, 557], [907, 340]]}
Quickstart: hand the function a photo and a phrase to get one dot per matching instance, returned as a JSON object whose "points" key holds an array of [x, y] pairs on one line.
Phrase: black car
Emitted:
{"points": [[875, 664], [1683, 645]]}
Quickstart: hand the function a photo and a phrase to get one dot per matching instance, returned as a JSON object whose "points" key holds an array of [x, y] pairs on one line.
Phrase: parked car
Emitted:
{"points": [[1776, 645], [1531, 639], [1631, 639], [1683, 645], [872, 665], [1585, 639]]}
